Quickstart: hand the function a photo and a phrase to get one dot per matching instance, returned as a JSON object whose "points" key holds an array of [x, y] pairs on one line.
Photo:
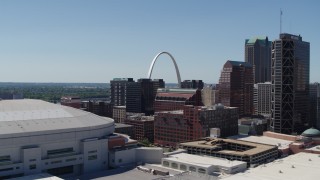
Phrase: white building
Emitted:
{"points": [[203, 164], [294, 167], [37, 136]]}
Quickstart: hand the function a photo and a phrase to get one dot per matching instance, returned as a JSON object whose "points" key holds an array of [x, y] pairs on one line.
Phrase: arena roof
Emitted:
{"points": [[28, 116]]}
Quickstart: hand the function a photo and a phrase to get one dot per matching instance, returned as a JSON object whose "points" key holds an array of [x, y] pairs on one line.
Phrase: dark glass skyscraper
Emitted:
{"points": [[258, 54], [290, 84], [236, 86], [119, 90], [141, 95]]}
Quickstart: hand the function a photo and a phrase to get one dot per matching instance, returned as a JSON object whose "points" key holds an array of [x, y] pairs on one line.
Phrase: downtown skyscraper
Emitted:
{"points": [[290, 68], [236, 86], [258, 54]]}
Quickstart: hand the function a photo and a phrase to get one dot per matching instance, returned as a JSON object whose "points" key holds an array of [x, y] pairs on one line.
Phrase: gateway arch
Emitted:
{"points": [[174, 62]]}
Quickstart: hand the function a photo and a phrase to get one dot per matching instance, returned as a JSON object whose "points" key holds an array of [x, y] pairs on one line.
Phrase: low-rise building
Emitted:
{"points": [[252, 153], [194, 122], [124, 129], [203, 164], [143, 127], [119, 114]]}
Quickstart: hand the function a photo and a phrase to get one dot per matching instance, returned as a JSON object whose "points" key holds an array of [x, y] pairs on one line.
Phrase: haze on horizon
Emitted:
{"points": [[96, 41]]}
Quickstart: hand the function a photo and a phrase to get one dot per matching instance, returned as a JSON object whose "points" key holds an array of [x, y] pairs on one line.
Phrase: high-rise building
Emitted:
{"points": [[194, 122], [262, 98], [258, 54], [315, 105], [141, 95], [192, 84], [236, 86], [119, 90], [290, 68]]}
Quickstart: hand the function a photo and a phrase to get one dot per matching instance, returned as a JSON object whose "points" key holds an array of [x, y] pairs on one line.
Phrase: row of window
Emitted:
{"points": [[183, 167]]}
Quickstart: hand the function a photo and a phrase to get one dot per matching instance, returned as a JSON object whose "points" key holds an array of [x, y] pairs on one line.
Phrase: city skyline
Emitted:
{"points": [[82, 41]]}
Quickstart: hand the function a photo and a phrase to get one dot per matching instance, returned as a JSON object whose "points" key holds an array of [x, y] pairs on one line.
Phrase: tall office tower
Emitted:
{"points": [[262, 98], [315, 105], [290, 84], [192, 84], [119, 90], [236, 86], [141, 95], [258, 54]]}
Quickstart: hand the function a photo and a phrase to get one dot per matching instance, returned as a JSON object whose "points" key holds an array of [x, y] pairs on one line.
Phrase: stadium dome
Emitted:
{"points": [[312, 132]]}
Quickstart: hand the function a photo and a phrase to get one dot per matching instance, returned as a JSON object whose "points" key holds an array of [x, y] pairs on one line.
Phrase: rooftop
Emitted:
{"points": [[312, 132], [260, 39], [120, 125], [215, 143], [203, 161], [31, 116], [239, 63], [282, 144], [294, 167]]}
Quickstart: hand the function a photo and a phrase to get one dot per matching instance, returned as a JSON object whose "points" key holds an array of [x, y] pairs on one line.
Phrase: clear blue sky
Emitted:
{"points": [[95, 41]]}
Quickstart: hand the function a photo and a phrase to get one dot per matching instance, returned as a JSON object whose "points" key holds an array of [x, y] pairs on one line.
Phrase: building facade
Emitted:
{"points": [[175, 99], [236, 86], [315, 105], [262, 98], [118, 88], [194, 122], [258, 54], [143, 127], [192, 84], [119, 114], [141, 95], [210, 96], [71, 101], [290, 84]]}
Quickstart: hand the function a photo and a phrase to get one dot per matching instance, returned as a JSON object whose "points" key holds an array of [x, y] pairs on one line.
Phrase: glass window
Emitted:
{"points": [[93, 157], [165, 163], [32, 166], [174, 165], [202, 171], [183, 167]]}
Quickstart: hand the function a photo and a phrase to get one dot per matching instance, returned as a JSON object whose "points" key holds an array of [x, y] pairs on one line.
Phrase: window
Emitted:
{"points": [[31, 160], [165, 163], [174, 165], [60, 151], [32, 166], [93, 157], [72, 159], [183, 167], [202, 171], [120, 160], [94, 151], [193, 169], [55, 162], [4, 158]]}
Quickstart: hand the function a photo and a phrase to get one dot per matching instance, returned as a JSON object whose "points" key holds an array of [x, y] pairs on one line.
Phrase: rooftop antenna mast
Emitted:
{"points": [[280, 21]]}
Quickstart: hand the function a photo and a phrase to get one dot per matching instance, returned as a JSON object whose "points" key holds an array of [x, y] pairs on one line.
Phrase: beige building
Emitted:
{"points": [[209, 96], [119, 114]]}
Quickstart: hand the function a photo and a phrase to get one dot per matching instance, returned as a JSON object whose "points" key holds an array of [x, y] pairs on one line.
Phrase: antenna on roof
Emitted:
{"points": [[280, 20]]}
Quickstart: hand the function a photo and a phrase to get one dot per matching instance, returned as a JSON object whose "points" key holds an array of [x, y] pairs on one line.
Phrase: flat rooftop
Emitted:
{"points": [[282, 144], [203, 161], [215, 143], [314, 148], [294, 167]]}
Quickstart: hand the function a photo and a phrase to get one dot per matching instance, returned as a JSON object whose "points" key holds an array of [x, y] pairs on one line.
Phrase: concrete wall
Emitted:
{"points": [[149, 155]]}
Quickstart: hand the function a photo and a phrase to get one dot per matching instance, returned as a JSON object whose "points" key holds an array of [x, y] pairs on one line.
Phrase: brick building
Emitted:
{"points": [[194, 122], [143, 127], [175, 99], [236, 86]]}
